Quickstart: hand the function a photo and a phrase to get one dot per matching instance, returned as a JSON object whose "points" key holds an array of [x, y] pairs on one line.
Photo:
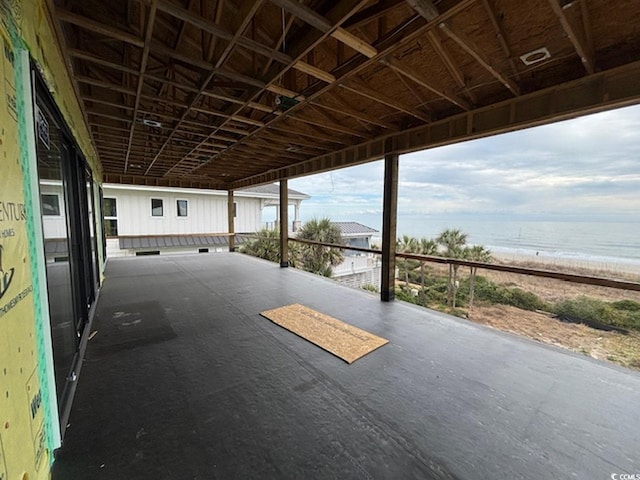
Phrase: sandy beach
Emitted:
{"points": [[610, 267], [623, 349]]}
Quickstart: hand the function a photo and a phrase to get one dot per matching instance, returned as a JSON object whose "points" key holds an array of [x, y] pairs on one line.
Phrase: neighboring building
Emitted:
{"points": [[147, 220], [358, 268], [142, 220]]}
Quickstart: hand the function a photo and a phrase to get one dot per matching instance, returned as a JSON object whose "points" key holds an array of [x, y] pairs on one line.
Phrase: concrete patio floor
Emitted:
{"points": [[184, 380]]}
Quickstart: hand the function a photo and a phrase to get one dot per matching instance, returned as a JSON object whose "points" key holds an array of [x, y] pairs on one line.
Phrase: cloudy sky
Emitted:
{"points": [[586, 167]]}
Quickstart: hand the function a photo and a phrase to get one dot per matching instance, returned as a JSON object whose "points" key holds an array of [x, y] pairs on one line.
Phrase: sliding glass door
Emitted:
{"points": [[71, 254]]}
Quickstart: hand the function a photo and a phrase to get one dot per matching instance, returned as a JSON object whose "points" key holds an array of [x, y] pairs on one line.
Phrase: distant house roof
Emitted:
{"points": [[354, 228], [273, 189]]}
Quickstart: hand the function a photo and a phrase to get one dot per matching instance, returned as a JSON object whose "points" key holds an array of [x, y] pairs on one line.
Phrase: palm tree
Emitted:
{"points": [[407, 244], [428, 246], [453, 242], [264, 245], [316, 258], [479, 254]]}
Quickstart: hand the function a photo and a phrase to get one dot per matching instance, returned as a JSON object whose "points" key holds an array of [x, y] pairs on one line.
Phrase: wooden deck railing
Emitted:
{"points": [[536, 272]]}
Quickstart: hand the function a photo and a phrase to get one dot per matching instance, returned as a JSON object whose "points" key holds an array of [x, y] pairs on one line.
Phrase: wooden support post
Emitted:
{"points": [[284, 224], [389, 221], [231, 217]]}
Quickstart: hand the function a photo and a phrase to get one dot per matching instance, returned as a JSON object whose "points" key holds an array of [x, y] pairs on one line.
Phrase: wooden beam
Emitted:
{"points": [[330, 126], [389, 223], [501, 37], [314, 71], [314, 135], [298, 141], [278, 90], [220, 32], [426, 8], [372, 13], [103, 84], [576, 36], [151, 17], [456, 73], [110, 117], [97, 27], [305, 14], [607, 90], [82, 55], [106, 102], [354, 42], [162, 49], [350, 112], [469, 46], [418, 78], [360, 88], [325, 26]]}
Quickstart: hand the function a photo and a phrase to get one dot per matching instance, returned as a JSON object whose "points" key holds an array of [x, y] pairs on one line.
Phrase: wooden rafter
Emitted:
{"points": [[98, 27], [345, 8], [417, 78], [394, 40], [453, 68], [208, 74], [469, 46], [429, 11], [246, 18], [577, 35], [143, 67], [500, 35], [351, 112], [359, 88]]}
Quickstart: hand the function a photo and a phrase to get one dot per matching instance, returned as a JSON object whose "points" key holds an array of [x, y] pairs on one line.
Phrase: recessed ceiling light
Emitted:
{"points": [[535, 56], [151, 123]]}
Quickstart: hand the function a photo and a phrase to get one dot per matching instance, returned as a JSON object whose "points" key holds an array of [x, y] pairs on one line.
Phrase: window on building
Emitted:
{"points": [[50, 204], [235, 209], [182, 208], [110, 209], [157, 209], [110, 217]]}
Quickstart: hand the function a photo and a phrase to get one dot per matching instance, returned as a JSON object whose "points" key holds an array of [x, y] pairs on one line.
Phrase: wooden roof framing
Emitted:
{"points": [[228, 94]]}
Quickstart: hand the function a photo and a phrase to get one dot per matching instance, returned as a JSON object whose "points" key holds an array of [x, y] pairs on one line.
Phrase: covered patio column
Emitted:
{"points": [[284, 223], [389, 218], [231, 218]]}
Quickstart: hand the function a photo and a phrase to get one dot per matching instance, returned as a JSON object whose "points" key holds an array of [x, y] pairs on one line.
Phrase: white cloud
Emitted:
{"points": [[589, 165]]}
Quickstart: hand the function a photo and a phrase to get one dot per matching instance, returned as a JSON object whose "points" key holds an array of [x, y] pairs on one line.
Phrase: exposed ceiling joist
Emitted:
{"points": [[151, 16], [97, 27], [469, 46], [359, 88], [576, 35], [417, 78], [428, 10], [222, 88]]}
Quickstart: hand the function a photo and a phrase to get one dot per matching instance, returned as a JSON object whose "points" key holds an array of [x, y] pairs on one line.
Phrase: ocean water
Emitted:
{"points": [[605, 240]]}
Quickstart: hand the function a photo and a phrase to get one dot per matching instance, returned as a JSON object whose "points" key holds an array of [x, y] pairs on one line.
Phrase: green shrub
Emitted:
{"points": [[406, 296], [628, 305], [592, 310], [489, 292], [524, 300]]}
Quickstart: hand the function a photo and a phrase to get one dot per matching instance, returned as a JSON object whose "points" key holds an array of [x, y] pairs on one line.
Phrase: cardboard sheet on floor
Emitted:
{"points": [[341, 339]]}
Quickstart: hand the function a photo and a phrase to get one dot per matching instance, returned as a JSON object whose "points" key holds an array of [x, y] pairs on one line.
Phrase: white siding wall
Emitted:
{"points": [[207, 213], [54, 226]]}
